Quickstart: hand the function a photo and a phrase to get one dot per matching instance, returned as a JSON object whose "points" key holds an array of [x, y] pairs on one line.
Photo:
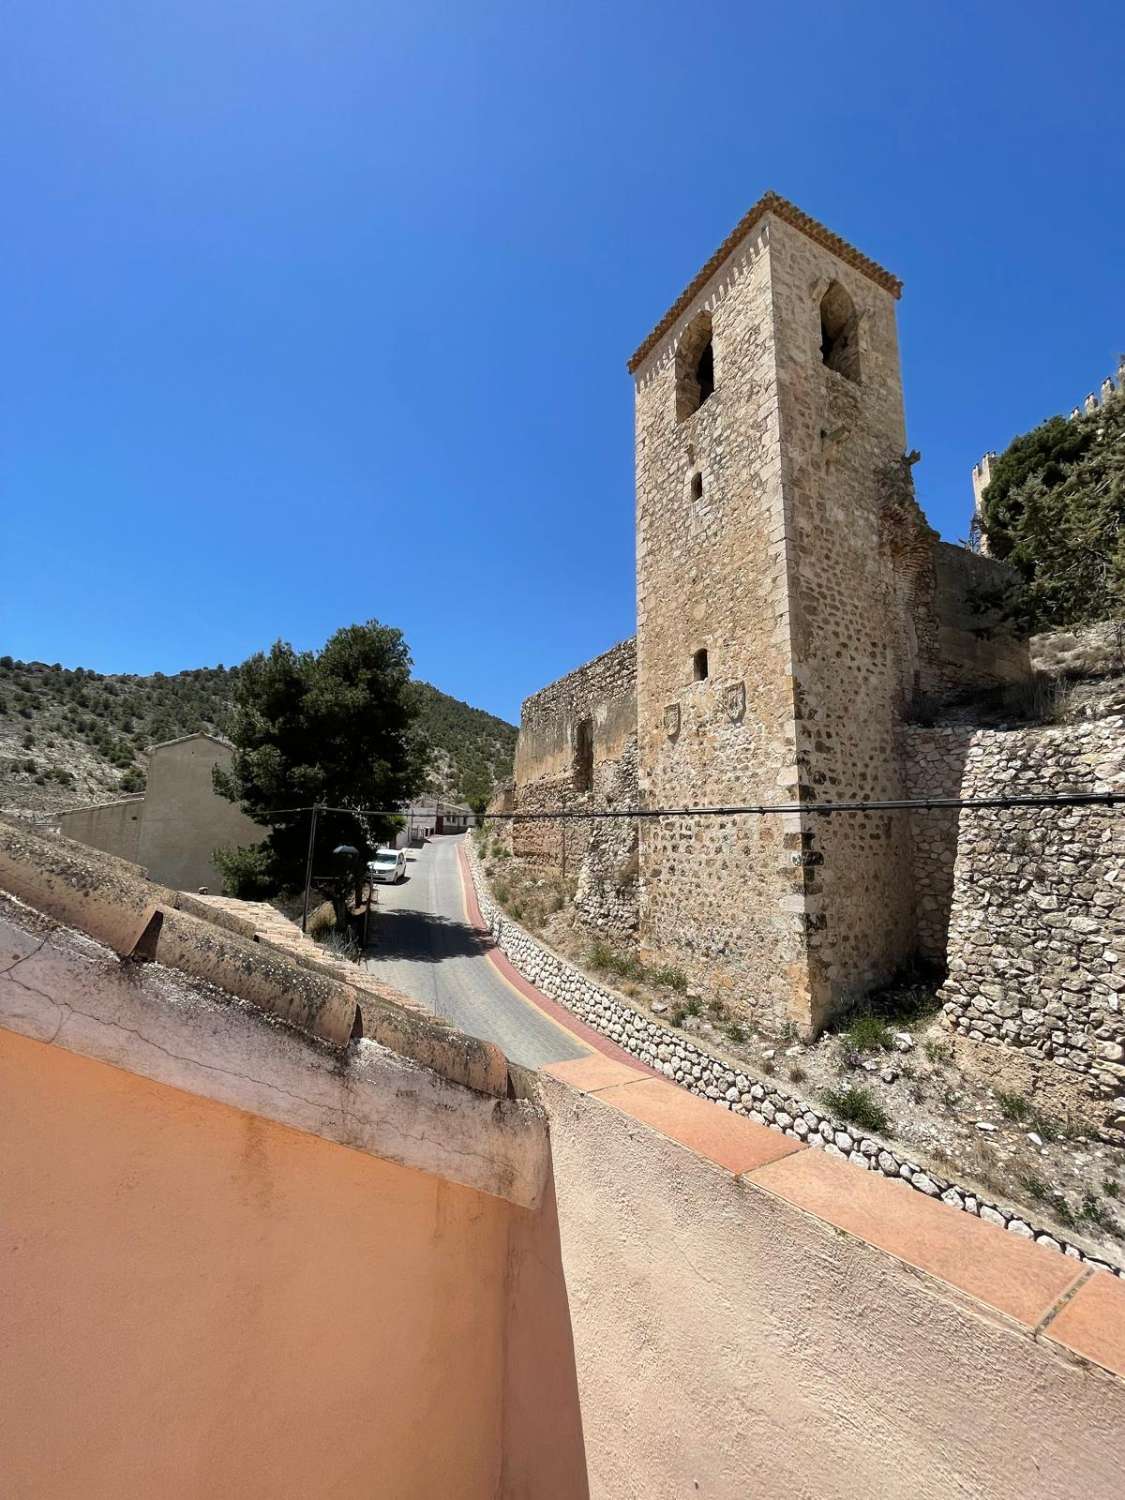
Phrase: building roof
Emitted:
{"points": [[769, 202], [198, 734]]}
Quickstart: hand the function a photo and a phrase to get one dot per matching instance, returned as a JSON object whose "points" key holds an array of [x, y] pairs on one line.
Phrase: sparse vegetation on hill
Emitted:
{"points": [[68, 737]]}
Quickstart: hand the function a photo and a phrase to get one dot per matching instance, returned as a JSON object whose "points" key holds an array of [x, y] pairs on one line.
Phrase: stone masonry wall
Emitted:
{"points": [[718, 895], [694, 1068], [975, 646], [857, 545], [591, 710], [1027, 905]]}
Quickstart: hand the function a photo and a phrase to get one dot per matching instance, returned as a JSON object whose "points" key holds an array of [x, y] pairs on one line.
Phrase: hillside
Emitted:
{"points": [[71, 737]]}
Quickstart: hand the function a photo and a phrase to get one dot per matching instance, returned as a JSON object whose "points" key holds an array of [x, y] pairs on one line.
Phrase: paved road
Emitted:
{"points": [[425, 948]]}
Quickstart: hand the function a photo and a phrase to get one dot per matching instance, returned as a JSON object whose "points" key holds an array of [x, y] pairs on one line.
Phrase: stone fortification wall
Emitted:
{"points": [[577, 751], [1027, 906], [691, 1065], [974, 647]]}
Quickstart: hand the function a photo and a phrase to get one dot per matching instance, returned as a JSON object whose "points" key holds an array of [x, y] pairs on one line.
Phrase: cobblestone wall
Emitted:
{"points": [[692, 1066], [1027, 906]]}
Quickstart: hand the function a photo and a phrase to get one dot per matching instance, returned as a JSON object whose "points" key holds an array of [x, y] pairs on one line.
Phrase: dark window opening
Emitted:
{"points": [[584, 756], [695, 367], [699, 665], [705, 372], [839, 332], [697, 486]]}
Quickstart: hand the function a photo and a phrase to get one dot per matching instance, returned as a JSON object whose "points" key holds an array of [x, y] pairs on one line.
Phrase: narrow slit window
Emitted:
{"points": [[697, 486], [584, 756], [699, 665]]}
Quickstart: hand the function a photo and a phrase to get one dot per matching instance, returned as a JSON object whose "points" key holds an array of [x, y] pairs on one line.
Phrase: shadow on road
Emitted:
{"points": [[422, 937]]}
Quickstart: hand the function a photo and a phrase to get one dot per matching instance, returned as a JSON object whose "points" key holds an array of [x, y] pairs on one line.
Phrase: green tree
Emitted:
{"points": [[335, 728], [1055, 510]]}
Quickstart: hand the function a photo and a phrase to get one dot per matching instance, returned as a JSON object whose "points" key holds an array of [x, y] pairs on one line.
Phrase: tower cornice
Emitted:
{"points": [[789, 213]]}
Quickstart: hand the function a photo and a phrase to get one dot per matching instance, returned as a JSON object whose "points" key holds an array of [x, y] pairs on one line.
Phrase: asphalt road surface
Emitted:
{"points": [[426, 949]]}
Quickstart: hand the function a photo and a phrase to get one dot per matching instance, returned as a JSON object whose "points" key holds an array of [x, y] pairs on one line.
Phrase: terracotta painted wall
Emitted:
{"points": [[728, 1345], [200, 1303]]}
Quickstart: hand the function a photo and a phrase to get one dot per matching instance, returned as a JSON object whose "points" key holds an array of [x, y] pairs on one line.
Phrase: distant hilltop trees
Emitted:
{"points": [[61, 720], [1052, 505]]}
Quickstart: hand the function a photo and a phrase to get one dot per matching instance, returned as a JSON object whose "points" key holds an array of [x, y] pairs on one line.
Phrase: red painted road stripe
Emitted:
{"points": [[565, 1018]]}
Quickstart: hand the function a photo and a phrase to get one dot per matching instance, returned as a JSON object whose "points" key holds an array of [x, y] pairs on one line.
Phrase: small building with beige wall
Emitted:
{"points": [[174, 829]]}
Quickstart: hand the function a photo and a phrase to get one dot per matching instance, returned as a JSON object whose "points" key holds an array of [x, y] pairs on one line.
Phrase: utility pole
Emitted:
{"points": [[308, 868]]}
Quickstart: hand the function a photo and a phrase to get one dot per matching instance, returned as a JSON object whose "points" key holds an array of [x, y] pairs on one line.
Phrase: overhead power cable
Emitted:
{"points": [[900, 804]]}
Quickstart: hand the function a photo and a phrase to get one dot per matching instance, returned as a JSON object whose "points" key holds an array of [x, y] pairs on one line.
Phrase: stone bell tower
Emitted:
{"points": [[774, 649]]}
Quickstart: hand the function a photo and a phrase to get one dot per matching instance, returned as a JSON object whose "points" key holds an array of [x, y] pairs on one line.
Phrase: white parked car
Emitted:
{"points": [[388, 867]]}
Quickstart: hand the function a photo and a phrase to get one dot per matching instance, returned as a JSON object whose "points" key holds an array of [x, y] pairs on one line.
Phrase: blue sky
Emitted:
{"points": [[318, 312]]}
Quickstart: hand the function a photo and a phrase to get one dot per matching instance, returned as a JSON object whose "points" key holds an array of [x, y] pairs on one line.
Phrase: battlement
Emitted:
{"points": [[1106, 392], [1109, 389]]}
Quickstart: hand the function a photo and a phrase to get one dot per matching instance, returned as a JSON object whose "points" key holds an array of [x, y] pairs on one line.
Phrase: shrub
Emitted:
{"points": [[1034, 1186], [1013, 1105], [670, 978], [938, 1052], [247, 873], [599, 956], [604, 960], [868, 1034], [322, 921], [857, 1105], [341, 945], [736, 1032], [1093, 1211]]}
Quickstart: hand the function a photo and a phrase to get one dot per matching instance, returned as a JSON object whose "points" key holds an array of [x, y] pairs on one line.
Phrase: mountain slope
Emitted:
{"points": [[71, 737]]}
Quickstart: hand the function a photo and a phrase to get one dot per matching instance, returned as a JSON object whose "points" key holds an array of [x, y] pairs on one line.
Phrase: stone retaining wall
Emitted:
{"points": [[690, 1065], [1027, 905]]}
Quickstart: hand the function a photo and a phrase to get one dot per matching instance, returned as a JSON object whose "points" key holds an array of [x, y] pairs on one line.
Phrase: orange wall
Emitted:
{"points": [[198, 1302]]}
